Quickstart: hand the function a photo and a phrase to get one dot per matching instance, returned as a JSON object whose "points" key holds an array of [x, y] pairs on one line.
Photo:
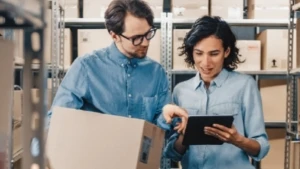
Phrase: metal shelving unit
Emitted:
{"points": [[30, 17], [292, 132]]}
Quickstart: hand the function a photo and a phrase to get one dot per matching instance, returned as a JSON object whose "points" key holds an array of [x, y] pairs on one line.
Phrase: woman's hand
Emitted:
{"points": [[171, 111], [229, 135]]}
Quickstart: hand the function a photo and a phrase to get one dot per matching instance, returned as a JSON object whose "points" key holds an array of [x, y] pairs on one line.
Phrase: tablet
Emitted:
{"points": [[194, 132]]}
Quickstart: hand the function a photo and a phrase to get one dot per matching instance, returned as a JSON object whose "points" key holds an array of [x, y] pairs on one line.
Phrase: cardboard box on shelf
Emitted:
{"points": [[18, 102], [178, 61], [67, 48], [92, 39], [273, 93], [156, 6], [263, 9], [136, 143], [154, 47], [6, 97], [250, 51], [190, 8], [71, 8], [274, 44], [89, 40], [275, 157], [229, 9], [94, 8]]}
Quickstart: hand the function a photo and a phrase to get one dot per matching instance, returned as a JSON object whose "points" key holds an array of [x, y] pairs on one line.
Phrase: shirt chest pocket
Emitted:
{"points": [[230, 109], [149, 108], [225, 109]]}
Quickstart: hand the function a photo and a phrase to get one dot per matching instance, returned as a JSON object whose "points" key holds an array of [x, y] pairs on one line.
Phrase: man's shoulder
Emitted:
{"points": [[96, 54]]}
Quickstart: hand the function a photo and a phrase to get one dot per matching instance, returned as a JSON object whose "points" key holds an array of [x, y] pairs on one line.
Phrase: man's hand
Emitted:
{"points": [[171, 111], [229, 135]]}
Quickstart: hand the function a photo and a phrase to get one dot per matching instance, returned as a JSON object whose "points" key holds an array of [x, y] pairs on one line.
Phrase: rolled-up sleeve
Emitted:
{"points": [[72, 90], [254, 119], [163, 99], [169, 150]]}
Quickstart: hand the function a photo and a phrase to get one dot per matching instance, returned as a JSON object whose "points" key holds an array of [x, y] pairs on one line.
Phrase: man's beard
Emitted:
{"points": [[138, 54]]}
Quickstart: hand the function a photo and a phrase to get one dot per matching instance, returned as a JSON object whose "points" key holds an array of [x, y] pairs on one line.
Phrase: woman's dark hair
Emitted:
{"points": [[118, 9], [205, 27]]}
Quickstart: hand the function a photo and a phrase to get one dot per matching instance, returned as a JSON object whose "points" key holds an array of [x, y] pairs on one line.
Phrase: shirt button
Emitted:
{"points": [[134, 65], [128, 75], [129, 116], [129, 95], [122, 65]]}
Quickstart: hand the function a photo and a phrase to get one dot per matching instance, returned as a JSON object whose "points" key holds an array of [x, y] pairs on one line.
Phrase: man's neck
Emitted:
{"points": [[121, 49]]}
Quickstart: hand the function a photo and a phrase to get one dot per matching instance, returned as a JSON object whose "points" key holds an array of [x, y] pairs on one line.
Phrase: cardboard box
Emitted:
{"points": [[189, 8], [250, 51], [156, 7], [71, 8], [274, 44], [229, 9], [273, 93], [154, 47], [92, 39], [275, 157], [6, 97], [18, 104], [67, 48], [263, 9], [178, 61], [94, 8], [92, 140], [89, 40]]}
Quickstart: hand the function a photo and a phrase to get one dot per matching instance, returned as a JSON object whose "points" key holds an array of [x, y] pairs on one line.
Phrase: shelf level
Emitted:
{"points": [[241, 22], [92, 22], [100, 22], [275, 124]]}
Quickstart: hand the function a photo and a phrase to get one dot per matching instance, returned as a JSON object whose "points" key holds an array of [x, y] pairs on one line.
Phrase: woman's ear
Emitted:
{"points": [[227, 52]]}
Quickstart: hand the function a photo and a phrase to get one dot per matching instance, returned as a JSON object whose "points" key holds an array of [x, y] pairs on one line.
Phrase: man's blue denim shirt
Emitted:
{"points": [[106, 81]]}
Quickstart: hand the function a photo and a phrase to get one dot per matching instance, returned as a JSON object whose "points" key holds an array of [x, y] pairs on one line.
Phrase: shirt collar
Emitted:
{"points": [[120, 58], [219, 80]]}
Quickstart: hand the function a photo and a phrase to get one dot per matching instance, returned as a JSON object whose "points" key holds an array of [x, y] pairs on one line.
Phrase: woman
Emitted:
{"points": [[210, 47]]}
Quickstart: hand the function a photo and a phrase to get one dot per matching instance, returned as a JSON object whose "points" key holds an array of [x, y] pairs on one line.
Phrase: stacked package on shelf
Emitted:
{"points": [[19, 45], [89, 40], [6, 74], [250, 52], [264, 9], [18, 113], [178, 61], [190, 8], [96, 8], [71, 8], [229, 9]]}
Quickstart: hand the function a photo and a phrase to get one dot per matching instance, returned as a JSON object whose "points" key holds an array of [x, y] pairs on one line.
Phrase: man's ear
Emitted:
{"points": [[227, 52], [114, 36]]}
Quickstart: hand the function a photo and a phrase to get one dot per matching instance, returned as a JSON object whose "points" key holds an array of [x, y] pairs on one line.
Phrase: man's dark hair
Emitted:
{"points": [[205, 27], [118, 9]]}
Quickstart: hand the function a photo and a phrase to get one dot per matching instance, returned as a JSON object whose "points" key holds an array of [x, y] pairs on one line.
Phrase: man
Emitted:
{"points": [[120, 79]]}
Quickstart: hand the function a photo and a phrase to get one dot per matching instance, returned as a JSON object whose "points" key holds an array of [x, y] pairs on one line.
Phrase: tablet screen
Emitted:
{"points": [[194, 133]]}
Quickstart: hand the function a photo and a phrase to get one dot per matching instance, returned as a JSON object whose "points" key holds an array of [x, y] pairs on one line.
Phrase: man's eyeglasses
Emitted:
{"points": [[138, 39]]}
